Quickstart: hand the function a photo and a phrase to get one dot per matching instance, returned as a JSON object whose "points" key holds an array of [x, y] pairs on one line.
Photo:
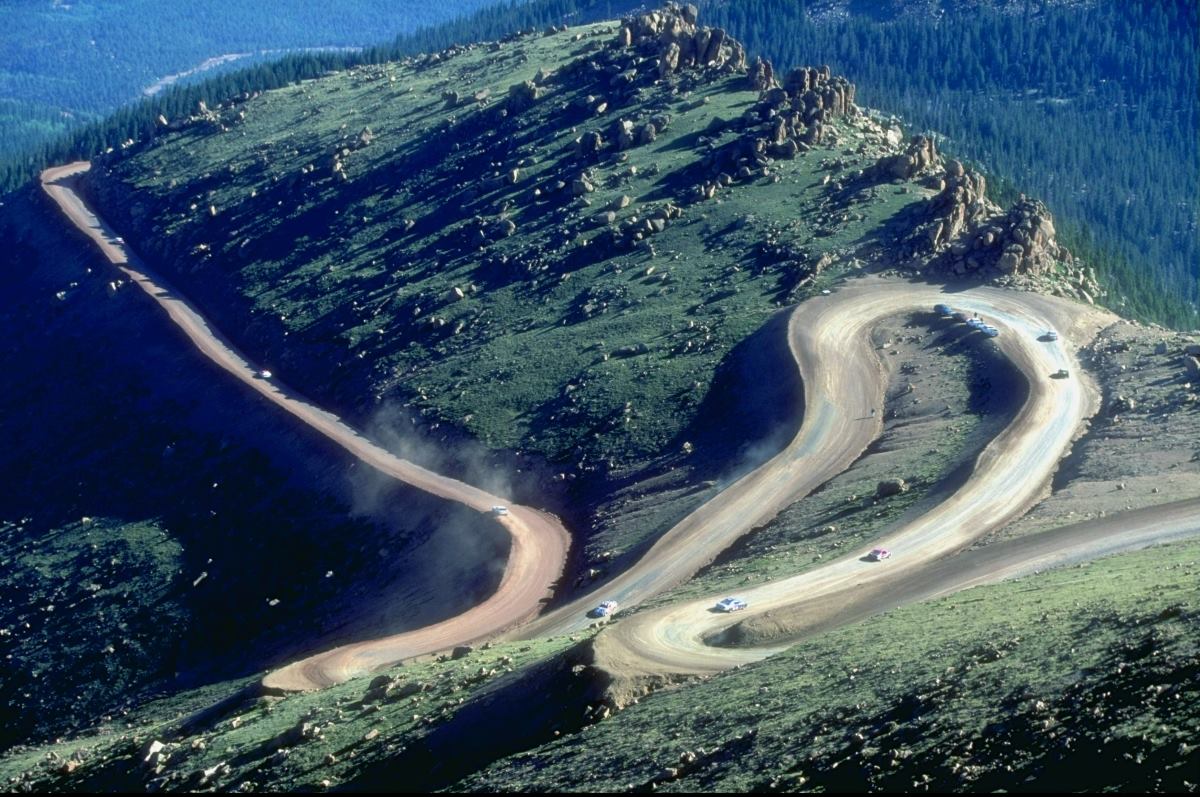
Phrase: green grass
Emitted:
{"points": [[1076, 679], [248, 736], [1080, 678], [597, 367], [331, 287]]}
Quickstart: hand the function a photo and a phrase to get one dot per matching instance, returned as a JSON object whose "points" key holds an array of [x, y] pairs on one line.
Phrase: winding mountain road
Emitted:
{"points": [[843, 380], [1008, 477], [539, 541]]}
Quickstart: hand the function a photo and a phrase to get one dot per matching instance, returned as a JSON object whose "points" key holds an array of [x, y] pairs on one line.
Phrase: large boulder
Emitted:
{"points": [[1191, 366], [889, 487], [919, 158]]}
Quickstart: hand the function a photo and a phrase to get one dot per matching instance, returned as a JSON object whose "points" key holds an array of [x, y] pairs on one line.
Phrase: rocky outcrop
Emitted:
{"points": [[967, 234], [817, 94], [890, 487], [961, 201], [1021, 240], [786, 121], [677, 43], [918, 159], [762, 75]]}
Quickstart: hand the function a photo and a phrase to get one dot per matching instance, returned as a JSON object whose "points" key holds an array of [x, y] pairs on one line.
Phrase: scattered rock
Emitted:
{"points": [[153, 752], [581, 185], [1191, 366], [1121, 404]]}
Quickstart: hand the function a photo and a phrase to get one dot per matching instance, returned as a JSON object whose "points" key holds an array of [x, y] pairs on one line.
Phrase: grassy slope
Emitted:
{"points": [[1082, 678], [1074, 679], [131, 470], [333, 288], [358, 733], [336, 314]]}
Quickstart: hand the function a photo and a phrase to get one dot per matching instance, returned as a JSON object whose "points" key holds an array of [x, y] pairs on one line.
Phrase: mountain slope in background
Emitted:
{"points": [[68, 63], [1090, 106]]}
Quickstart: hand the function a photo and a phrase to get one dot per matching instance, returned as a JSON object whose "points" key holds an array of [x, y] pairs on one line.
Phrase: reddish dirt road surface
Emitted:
{"points": [[539, 540]]}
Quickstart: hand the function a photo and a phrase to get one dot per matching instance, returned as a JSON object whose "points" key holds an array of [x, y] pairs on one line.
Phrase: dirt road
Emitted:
{"points": [[843, 381], [1008, 477], [539, 541]]}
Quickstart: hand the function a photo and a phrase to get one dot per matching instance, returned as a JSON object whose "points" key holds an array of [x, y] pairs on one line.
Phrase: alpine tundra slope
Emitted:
{"points": [[829, 337]]}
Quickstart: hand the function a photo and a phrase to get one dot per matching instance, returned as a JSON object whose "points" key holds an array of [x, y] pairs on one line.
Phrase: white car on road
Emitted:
{"points": [[605, 609], [731, 605], [879, 554]]}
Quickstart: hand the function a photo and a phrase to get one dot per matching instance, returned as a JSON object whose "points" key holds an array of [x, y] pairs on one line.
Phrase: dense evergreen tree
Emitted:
{"points": [[1091, 107]]}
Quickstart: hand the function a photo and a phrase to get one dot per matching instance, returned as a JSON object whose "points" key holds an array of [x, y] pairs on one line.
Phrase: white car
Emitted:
{"points": [[879, 554], [731, 605], [1050, 334], [605, 609], [499, 511]]}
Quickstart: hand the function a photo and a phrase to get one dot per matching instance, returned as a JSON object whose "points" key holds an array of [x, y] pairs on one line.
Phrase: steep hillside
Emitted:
{"points": [[547, 216], [566, 260], [1077, 679], [161, 528]]}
